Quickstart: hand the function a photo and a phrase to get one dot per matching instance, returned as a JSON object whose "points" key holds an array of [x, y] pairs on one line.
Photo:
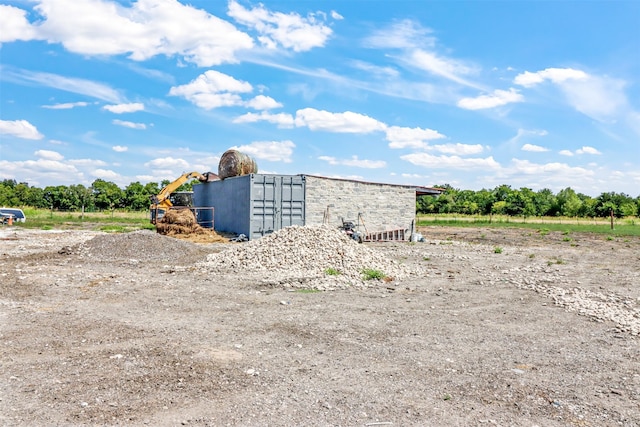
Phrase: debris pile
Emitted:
{"points": [[142, 245], [179, 221], [316, 257]]}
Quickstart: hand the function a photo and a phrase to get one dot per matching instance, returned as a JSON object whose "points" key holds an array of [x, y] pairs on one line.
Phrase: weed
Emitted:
{"points": [[555, 261], [609, 238], [331, 272], [307, 291], [446, 397], [564, 233], [532, 255], [427, 258], [46, 227], [497, 250], [567, 239], [483, 236], [371, 273]]}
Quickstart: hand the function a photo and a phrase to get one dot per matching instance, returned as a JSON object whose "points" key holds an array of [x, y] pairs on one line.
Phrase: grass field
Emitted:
{"points": [[123, 221], [621, 227], [113, 221]]}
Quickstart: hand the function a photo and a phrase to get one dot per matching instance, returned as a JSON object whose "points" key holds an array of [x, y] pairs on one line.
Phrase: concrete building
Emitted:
{"points": [[259, 204]]}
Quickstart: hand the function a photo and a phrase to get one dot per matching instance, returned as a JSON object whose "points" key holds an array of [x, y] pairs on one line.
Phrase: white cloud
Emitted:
{"points": [[375, 70], [418, 50], [66, 106], [457, 149], [347, 122], [130, 125], [87, 162], [272, 151], [534, 148], [48, 155], [20, 129], [124, 108], [524, 132], [106, 174], [355, 162], [262, 102], [282, 120], [41, 172], [68, 84], [587, 150], [144, 30], [556, 75], [335, 15], [448, 68], [212, 89], [290, 31], [553, 171], [450, 162], [497, 99], [167, 163], [583, 150], [599, 97], [119, 148], [15, 25], [404, 137], [404, 34]]}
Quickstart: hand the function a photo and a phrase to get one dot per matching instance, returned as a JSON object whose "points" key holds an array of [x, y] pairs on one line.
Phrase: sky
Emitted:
{"points": [[475, 94]]}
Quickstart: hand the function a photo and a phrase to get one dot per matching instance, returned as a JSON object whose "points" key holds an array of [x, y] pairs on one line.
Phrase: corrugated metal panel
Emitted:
{"points": [[254, 205], [277, 202]]}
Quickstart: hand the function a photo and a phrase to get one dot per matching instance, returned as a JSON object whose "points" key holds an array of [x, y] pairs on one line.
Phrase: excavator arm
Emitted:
{"points": [[161, 200]]}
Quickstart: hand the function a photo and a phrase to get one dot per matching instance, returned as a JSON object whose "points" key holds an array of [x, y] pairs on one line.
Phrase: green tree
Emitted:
{"points": [[107, 195], [136, 196], [545, 202], [568, 202]]}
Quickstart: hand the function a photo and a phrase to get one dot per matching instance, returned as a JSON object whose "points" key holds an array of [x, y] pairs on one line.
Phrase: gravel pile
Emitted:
{"points": [[137, 246], [313, 257]]}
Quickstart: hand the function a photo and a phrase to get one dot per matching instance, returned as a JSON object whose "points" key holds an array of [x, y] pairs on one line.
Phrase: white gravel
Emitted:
{"points": [[314, 257]]}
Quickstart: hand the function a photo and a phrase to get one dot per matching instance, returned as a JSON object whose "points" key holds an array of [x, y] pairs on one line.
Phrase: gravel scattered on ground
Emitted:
{"points": [[140, 329]]}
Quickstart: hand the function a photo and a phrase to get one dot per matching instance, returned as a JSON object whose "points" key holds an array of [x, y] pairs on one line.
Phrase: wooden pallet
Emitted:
{"points": [[385, 236]]}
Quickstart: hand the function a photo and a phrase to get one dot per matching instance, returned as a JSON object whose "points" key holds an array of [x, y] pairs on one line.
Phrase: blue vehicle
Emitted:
{"points": [[16, 214]]}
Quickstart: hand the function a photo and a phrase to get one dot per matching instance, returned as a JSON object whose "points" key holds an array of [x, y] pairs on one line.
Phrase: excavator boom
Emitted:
{"points": [[160, 202]]}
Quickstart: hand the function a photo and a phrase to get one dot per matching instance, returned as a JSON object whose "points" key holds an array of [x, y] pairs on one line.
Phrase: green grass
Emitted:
{"points": [[111, 221], [371, 274], [331, 271], [622, 227]]}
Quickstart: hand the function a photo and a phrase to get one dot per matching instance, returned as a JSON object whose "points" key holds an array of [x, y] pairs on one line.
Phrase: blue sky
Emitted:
{"points": [[538, 94]]}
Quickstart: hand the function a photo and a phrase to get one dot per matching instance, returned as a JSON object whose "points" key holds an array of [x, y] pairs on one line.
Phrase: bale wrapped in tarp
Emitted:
{"points": [[234, 163]]}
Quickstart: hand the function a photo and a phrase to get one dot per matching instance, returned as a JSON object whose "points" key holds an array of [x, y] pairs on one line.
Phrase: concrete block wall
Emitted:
{"points": [[383, 206]]}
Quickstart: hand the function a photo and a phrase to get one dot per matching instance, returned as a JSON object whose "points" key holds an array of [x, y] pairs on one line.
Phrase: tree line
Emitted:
{"points": [[504, 200], [99, 196]]}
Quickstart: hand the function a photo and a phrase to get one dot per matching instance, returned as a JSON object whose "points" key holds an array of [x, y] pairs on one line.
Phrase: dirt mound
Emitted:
{"points": [[142, 245]]}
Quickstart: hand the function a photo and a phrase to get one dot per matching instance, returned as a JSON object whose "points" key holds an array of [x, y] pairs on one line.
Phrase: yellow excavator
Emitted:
{"points": [[161, 202]]}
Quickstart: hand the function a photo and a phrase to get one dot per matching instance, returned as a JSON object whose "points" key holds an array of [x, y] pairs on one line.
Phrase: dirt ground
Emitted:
{"points": [[508, 327]]}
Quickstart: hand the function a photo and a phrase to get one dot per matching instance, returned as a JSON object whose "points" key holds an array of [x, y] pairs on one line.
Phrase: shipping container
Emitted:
{"points": [[254, 204]]}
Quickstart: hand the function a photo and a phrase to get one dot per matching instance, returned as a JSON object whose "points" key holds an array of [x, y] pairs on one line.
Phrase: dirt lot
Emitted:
{"points": [[500, 327]]}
